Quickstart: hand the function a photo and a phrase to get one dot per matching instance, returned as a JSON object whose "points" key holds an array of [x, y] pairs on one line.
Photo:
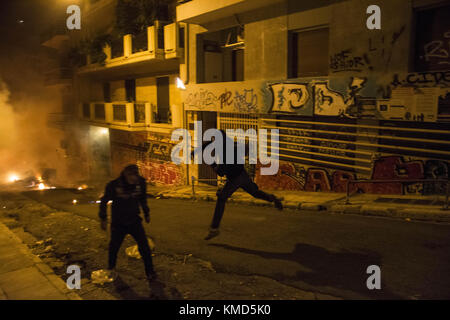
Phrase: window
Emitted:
{"points": [[130, 90], [432, 46], [221, 56], [308, 53], [163, 102], [106, 92]]}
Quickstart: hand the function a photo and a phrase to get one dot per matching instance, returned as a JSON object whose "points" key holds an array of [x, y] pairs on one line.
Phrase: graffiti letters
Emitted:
{"points": [[204, 99], [287, 97], [429, 78], [245, 101], [332, 103], [438, 50], [345, 61]]}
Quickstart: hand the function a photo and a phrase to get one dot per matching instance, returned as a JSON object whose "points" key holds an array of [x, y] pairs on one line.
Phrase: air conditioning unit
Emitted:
{"points": [[155, 35], [174, 40]]}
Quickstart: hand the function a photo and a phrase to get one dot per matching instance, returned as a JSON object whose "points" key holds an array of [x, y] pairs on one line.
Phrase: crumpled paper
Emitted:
{"points": [[101, 276], [133, 251]]}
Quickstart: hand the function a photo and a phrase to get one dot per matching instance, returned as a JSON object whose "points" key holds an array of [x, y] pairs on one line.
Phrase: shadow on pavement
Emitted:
{"points": [[345, 270]]}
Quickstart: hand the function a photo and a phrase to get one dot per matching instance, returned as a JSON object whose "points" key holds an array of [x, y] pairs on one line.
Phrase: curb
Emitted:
{"points": [[424, 214], [43, 268]]}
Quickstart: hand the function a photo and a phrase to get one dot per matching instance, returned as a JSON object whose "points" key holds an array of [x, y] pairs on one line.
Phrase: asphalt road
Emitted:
{"points": [[317, 251]]}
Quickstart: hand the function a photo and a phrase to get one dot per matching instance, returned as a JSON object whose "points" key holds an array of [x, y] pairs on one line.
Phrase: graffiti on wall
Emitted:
{"points": [[245, 100], [158, 150], [159, 172], [328, 97], [345, 60], [291, 97], [200, 100], [422, 79], [414, 96], [437, 51], [152, 155], [293, 176]]}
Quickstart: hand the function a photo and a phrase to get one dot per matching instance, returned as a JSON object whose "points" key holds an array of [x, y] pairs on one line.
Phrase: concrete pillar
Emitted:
{"points": [[127, 45]]}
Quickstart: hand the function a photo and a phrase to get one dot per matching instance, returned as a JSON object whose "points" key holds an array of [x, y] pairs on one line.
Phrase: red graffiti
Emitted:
{"points": [[317, 180], [161, 173], [288, 177], [339, 181], [392, 168]]}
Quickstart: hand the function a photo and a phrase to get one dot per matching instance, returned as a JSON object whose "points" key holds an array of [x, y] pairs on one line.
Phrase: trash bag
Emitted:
{"points": [[133, 251], [101, 276]]}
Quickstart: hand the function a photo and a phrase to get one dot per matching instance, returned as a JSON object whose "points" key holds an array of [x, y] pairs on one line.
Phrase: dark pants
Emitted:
{"points": [[241, 181], [136, 230]]}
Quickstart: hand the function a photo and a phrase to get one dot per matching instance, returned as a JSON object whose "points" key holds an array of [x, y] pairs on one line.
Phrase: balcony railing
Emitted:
{"points": [[140, 42], [118, 114], [161, 41]]}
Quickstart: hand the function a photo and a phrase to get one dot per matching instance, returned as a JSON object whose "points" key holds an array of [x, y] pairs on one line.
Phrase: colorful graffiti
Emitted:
{"points": [[159, 172], [292, 176]]}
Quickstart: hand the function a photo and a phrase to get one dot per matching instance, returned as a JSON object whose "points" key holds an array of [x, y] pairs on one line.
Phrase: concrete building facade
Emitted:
{"points": [[349, 102]]}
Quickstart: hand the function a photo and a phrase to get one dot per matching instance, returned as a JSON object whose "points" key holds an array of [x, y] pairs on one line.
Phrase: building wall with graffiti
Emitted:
{"points": [[151, 152], [294, 176], [382, 111]]}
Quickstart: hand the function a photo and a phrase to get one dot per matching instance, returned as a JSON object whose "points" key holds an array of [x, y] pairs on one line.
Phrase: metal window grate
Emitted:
{"points": [[139, 112], [119, 112]]}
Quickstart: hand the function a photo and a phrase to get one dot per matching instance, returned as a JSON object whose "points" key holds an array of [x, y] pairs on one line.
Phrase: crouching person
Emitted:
{"points": [[128, 193]]}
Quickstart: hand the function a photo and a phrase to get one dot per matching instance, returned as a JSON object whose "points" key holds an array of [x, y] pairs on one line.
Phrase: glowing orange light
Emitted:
{"points": [[41, 186], [13, 178]]}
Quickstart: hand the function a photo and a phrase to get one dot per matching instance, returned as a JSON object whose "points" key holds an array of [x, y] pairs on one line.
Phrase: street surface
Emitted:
{"points": [[313, 251]]}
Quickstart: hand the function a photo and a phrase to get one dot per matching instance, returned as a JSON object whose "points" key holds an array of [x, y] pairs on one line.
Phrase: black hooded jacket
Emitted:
{"points": [[126, 199], [230, 170]]}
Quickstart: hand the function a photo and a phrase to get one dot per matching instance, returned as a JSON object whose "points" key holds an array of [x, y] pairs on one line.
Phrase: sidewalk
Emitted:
{"points": [[23, 276], [417, 207]]}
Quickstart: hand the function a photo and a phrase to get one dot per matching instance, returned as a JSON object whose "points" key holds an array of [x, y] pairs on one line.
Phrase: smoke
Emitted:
{"points": [[28, 146]]}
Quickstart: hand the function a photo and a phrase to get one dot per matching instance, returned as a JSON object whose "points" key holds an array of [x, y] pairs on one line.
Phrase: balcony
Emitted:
{"points": [[204, 11], [58, 76], [136, 52], [122, 115]]}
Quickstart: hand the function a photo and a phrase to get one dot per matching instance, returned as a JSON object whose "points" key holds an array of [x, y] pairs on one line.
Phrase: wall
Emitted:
{"points": [[151, 152], [369, 82], [296, 176]]}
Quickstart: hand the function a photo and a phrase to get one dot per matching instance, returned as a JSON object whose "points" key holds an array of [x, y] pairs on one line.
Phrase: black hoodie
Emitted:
{"points": [[126, 199]]}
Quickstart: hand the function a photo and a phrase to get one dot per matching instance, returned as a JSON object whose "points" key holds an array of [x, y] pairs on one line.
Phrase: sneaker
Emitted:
{"points": [[278, 204], [212, 234]]}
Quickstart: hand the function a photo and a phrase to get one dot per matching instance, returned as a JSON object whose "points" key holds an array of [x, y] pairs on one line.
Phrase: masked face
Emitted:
{"points": [[131, 178]]}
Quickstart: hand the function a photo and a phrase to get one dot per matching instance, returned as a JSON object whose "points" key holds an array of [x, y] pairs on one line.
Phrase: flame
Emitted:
{"points": [[13, 178], [41, 186]]}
